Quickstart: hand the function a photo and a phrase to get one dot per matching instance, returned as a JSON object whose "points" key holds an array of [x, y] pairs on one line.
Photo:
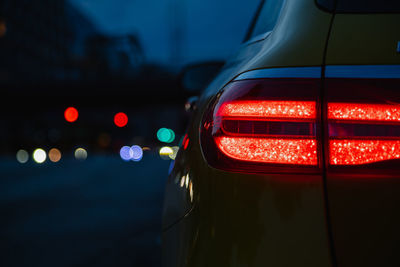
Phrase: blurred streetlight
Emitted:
{"points": [[54, 155], [39, 155], [71, 114], [165, 135], [3, 28], [137, 153], [121, 119], [22, 156], [80, 154], [165, 152]]}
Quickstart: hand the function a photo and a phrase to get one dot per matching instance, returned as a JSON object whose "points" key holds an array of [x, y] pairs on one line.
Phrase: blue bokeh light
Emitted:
{"points": [[137, 153], [126, 153]]}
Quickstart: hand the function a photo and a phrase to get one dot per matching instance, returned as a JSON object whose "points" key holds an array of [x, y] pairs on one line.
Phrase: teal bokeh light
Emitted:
{"points": [[165, 135]]}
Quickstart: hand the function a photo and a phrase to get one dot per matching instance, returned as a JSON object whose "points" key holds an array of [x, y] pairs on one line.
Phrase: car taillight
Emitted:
{"points": [[363, 121], [363, 133], [263, 125]]}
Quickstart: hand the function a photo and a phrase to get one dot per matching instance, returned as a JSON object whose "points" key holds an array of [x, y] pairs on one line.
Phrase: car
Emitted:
{"points": [[292, 153]]}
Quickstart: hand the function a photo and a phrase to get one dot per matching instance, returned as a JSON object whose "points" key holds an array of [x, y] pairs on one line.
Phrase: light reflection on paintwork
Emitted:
{"points": [[187, 180], [191, 191]]}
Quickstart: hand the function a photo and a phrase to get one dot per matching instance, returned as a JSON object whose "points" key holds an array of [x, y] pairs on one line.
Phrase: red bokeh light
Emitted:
{"points": [[121, 119], [71, 114]]}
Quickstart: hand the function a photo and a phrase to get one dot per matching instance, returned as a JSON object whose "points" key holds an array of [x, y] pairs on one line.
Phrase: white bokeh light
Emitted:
{"points": [[39, 155], [80, 154], [22, 156]]}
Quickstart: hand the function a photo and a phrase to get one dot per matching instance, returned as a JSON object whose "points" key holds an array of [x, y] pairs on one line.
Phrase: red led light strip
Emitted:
{"points": [[269, 109], [356, 152], [269, 150], [364, 112]]}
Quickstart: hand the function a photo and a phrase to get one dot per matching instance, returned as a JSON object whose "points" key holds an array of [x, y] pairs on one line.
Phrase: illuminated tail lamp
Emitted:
{"points": [[263, 125], [269, 150], [364, 112], [361, 133], [269, 109], [266, 124], [357, 152]]}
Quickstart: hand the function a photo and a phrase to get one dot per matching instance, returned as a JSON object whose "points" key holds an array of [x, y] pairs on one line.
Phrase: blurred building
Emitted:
{"points": [[118, 57], [51, 41], [52, 57]]}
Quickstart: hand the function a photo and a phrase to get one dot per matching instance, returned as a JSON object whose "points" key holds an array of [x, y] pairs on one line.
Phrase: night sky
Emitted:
{"points": [[192, 30]]}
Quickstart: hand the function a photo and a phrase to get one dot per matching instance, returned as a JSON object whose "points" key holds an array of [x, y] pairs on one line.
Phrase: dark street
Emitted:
{"points": [[99, 212], [191, 133]]}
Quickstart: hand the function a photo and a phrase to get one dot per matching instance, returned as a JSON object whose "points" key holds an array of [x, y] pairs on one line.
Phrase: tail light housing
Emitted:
{"points": [[363, 118], [263, 125], [272, 124]]}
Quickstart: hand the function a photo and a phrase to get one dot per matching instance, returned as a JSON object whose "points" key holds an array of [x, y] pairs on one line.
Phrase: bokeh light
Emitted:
{"points": [[3, 28], [22, 156], [126, 153], [137, 153], [80, 154], [71, 114], [165, 151], [165, 135], [121, 119], [104, 140], [54, 155], [39, 155], [175, 150]]}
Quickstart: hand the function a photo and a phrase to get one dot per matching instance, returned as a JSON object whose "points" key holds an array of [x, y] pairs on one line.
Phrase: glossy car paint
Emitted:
{"points": [[219, 218], [363, 201], [238, 219]]}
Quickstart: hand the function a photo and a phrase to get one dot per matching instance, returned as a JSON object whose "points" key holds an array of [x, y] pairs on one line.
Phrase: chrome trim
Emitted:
{"points": [[363, 71], [295, 72]]}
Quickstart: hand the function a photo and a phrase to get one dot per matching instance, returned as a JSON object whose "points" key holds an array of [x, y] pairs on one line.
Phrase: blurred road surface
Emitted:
{"points": [[99, 212]]}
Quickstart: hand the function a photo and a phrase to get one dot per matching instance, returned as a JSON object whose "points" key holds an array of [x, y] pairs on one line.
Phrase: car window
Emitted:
{"points": [[267, 17], [362, 6]]}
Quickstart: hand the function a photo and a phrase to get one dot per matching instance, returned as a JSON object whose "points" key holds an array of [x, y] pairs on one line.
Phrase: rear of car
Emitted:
{"points": [[292, 156], [362, 132]]}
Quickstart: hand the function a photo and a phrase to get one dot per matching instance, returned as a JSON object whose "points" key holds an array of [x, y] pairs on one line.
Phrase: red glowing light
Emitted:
{"points": [[366, 112], [269, 109], [357, 152], [269, 150], [185, 142], [71, 114], [121, 119]]}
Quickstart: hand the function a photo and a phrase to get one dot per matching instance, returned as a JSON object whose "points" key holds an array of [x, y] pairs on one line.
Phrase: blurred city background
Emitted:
{"points": [[92, 116]]}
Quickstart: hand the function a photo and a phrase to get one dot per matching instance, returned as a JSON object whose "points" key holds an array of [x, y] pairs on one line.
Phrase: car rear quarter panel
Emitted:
{"points": [[244, 219], [364, 205]]}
